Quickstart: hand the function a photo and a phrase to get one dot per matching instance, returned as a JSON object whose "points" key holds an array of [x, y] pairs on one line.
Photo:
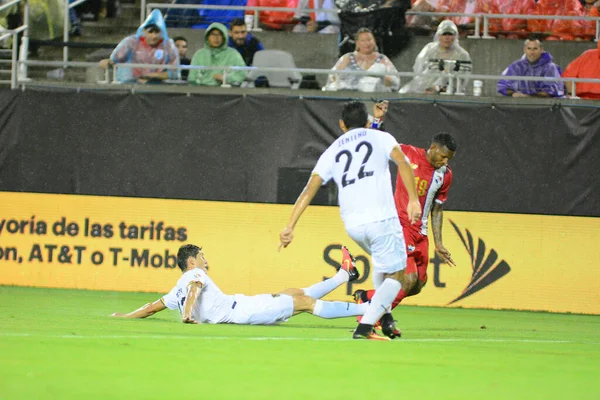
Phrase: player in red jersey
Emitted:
{"points": [[433, 178]]}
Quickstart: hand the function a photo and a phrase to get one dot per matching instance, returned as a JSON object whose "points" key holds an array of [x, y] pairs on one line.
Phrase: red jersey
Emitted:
{"points": [[432, 185]]}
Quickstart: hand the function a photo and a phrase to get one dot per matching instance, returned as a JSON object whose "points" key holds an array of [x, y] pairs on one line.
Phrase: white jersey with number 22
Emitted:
{"points": [[358, 162]]}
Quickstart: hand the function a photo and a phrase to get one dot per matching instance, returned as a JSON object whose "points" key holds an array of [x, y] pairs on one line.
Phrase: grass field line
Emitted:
{"points": [[276, 338]]}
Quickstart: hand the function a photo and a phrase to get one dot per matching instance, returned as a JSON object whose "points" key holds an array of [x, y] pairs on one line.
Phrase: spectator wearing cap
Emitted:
{"points": [[441, 55], [150, 45], [535, 62]]}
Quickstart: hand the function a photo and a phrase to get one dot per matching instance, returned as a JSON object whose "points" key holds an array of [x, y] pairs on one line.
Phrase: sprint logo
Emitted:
{"points": [[487, 269]]}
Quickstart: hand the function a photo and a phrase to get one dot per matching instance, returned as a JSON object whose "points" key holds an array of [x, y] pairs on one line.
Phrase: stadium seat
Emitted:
{"points": [[275, 59]]}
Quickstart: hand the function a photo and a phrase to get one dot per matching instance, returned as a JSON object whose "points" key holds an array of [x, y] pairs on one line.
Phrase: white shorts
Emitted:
{"points": [[384, 241], [262, 309]]}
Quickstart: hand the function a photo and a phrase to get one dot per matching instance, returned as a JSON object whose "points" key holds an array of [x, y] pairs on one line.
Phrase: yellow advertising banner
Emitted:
{"points": [[504, 261]]}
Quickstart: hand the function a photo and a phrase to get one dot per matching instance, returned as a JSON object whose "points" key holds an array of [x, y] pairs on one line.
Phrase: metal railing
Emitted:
{"points": [[66, 28], [17, 71], [456, 88], [479, 18], [147, 8], [486, 18]]}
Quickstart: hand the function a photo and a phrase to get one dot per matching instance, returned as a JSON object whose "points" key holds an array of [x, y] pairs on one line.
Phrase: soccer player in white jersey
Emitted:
{"points": [[199, 299], [358, 162]]}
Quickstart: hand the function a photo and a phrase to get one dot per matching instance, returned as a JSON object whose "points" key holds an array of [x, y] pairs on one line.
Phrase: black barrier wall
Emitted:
{"points": [[541, 160]]}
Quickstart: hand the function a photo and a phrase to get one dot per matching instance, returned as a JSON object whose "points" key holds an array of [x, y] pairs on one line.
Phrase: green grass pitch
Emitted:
{"points": [[61, 344]]}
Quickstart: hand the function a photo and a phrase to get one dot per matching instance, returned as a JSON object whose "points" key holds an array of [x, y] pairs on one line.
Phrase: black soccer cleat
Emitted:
{"points": [[349, 265], [360, 296], [388, 326], [365, 331]]}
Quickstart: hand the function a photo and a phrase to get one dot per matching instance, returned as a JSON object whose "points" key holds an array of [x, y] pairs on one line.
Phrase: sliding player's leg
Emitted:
{"points": [[347, 273]]}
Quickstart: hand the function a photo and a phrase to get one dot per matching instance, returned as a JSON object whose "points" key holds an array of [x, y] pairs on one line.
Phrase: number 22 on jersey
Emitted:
{"points": [[348, 155]]}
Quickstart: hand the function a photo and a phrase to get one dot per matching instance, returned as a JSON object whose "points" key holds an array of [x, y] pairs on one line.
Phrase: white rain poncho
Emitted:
{"points": [[349, 62], [431, 61]]}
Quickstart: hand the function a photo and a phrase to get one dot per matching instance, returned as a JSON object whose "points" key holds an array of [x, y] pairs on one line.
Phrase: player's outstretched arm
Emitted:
{"points": [[145, 311], [190, 301], [408, 178], [310, 190], [380, 109], [437, 218]]}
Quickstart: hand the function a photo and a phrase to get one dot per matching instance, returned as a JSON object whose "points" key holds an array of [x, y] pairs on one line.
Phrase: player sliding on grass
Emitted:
{"points": [[199, 299]]}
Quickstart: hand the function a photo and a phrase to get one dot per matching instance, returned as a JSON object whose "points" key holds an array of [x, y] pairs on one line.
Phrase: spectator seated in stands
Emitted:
{"points": [[239, 39], [535, 62], [182, 47], [317, 21], [216, 53], [272, 19], [510, 28], [150, 45], [182, 17], [364, 58], [556, 29], [586, 65], [587, 29], [464, 6], [443, 54], [424, 22], [208, 16]]}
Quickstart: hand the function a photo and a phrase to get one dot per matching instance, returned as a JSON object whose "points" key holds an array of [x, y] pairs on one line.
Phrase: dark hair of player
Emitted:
{"points": [[186, 251], [445, 139], [176, 38], [355, 115]]}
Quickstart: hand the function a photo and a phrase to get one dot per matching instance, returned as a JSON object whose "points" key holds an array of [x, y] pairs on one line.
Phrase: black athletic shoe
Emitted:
{"points": [[349, 264], [364, 331], [388, 326], [360, 296]]}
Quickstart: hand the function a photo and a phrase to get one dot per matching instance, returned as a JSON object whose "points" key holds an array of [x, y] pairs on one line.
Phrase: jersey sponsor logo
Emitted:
{"points": [[486, 267], [414, 166]]}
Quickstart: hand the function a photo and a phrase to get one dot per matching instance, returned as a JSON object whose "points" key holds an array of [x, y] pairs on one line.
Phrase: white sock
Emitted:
{"points": [[381, 301], [378, 279], [338, 309], [327, 286]]}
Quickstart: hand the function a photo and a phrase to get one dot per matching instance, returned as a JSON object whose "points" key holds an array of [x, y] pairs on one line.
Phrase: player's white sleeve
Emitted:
{"points": [[170, 299], [194, 276], [324, 167]]}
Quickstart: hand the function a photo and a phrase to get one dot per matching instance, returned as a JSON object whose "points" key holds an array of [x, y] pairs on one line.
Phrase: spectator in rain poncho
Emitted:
{"points": [[558, 29], [431, 61], [535, 62], [150, 45], [216, 53], [364, 58]]}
